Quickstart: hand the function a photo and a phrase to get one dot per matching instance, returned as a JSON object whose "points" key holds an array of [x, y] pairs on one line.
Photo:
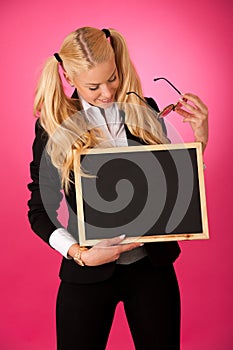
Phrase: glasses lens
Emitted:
{"points": [[166, 111]]}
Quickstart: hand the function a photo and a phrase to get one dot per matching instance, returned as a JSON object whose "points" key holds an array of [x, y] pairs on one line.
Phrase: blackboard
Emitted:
{"points": [[149, 193]]}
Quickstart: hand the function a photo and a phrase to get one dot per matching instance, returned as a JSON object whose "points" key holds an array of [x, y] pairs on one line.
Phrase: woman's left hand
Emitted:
{"points": [[196, 113]]}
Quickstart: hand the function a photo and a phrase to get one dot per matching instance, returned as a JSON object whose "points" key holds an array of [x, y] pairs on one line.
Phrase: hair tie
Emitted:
{"points": [[58, 58], [106, 32]]}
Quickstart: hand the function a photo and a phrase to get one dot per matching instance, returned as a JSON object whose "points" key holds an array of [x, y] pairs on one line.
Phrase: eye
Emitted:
{"points": [[93, 88], [113, 79]]}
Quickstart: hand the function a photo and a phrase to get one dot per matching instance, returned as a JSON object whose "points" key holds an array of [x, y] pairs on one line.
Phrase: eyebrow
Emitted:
{"points": [[96, 84]]}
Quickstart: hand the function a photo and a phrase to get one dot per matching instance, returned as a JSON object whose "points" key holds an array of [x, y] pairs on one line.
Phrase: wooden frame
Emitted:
{"points": [[151, 193]]}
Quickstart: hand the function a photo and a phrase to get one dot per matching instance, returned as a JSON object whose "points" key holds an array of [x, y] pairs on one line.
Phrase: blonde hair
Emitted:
{"points": [[82, 50]]}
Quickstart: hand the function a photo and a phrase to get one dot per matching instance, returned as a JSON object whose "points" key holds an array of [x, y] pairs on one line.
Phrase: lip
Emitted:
{"points": [[109, 100]]}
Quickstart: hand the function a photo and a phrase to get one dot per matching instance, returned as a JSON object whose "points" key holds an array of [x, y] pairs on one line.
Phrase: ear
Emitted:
{"points": [[67, 78]]}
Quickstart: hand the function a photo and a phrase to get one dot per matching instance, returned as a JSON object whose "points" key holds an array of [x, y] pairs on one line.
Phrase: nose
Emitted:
{"points": [[106, 91]]}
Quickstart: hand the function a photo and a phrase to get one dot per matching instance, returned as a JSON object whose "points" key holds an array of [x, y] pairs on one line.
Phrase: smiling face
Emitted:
{"points": [[98, 85]]}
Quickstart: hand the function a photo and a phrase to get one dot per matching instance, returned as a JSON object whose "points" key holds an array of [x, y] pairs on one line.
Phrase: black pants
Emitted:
{"points": [[151, 301]]}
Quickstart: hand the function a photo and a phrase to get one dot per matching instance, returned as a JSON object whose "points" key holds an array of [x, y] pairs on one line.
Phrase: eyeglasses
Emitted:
{"points": [[171, 107]]}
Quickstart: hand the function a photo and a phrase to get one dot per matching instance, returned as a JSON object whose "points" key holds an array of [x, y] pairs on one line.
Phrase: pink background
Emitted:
{"points": [[190, 44]]}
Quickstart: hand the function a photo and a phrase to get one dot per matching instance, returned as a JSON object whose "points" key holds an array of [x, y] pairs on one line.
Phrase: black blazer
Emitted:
{"points": [[45, 199]]}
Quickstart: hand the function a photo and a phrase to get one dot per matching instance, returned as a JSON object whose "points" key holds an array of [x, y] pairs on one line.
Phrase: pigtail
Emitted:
{"points": [[128, 77], [51, 103]]}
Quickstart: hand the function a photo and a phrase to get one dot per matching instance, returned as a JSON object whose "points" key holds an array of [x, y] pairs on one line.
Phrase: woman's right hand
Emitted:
{"points": [[106, 251]]}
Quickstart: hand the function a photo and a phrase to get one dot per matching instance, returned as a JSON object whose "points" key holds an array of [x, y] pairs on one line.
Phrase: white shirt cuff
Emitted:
{"points": [[61, 240]]}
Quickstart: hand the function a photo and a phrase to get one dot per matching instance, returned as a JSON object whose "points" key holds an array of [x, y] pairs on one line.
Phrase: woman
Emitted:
{"points": [[97, 63]]}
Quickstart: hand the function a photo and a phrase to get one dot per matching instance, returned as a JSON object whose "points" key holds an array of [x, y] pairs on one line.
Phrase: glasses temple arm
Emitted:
{"points": [[169, 84], [140, 98]]}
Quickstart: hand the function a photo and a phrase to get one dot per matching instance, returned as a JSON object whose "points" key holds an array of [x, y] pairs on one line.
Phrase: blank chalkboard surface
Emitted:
{"points": [[149, 193]]}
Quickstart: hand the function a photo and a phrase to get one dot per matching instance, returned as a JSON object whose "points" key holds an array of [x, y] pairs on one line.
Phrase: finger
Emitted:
{"points": [[188, 106], [196, 115], [182, 112], [130, 246], [190, 120], [196, 101], [111, 241]]}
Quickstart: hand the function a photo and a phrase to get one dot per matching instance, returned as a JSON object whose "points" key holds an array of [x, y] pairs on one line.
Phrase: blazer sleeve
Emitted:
{"points": [[45, 189]]}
